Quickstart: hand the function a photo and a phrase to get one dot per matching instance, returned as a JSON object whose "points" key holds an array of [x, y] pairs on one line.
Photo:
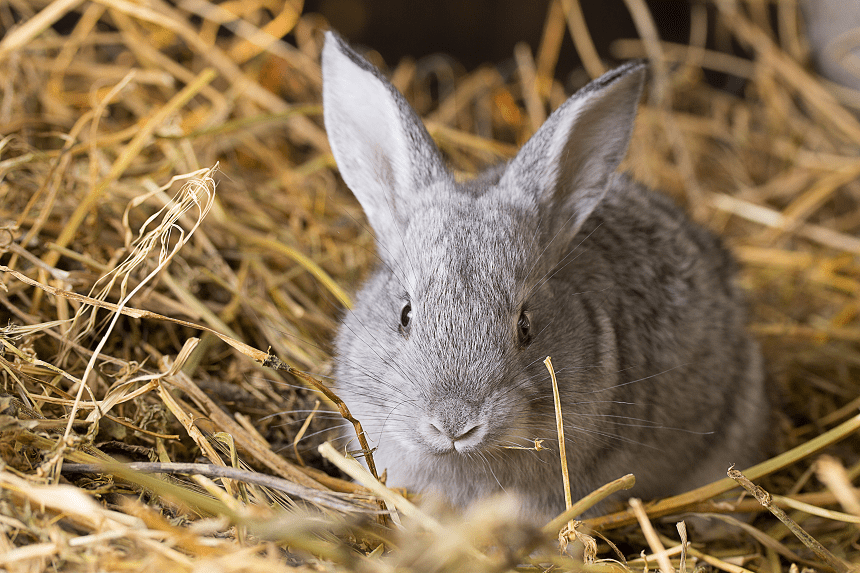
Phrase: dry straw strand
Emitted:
{"points": [[224, 353]]}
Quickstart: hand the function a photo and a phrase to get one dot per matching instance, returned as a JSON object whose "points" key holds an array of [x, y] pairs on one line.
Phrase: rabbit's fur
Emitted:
{"points": [[553, 254]]}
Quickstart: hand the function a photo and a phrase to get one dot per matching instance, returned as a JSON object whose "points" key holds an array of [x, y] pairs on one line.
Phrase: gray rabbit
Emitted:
{"points": [[553, 254]]}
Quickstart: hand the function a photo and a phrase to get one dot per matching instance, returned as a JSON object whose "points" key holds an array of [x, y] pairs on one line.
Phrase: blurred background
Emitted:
{"points": [[480, 31]]}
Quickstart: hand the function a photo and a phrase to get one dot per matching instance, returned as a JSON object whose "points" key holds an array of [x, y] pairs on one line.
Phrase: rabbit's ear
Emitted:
{"points": [[566, 166], [382, 149]]}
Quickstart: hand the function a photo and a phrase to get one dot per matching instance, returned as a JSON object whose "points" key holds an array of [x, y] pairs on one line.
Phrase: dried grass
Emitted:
{"points": [[135, 323]]}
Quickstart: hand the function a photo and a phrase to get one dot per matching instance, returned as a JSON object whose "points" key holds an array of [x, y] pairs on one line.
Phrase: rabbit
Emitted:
{"points": [[554, 254], [833, 32]]}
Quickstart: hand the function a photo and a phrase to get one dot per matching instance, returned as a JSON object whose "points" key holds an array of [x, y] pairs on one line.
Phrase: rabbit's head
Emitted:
{"points": [[441, 358]]}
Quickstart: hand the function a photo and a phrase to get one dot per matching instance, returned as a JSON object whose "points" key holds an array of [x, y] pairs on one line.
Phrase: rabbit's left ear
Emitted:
{"points": [[564, 169], [382, 149]]}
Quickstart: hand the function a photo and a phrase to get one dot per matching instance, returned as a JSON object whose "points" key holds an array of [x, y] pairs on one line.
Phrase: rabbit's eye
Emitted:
{"points": [[405, 317], [524, 329]]}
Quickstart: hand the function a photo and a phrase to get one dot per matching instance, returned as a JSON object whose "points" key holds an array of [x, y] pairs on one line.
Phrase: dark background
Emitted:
{"points": [[474, 32]]}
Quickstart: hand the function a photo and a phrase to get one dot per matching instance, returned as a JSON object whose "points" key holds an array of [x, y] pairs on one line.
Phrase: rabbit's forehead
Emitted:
{"points": [[469, 247]]}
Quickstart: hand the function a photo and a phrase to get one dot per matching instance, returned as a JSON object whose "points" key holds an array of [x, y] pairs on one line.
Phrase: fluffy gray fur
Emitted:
{"points": [[636, 305]]}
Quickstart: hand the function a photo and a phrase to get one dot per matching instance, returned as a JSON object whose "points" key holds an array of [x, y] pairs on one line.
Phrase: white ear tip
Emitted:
{"points": [[332, 40], [334, 49], [330, 46]]}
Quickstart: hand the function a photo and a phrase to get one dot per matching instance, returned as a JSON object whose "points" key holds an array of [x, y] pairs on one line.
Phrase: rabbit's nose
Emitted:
{"points": [[459, 435], [456, 434]]}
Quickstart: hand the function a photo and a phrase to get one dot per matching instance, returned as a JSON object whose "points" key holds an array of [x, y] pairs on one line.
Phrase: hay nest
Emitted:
{"points": [[138, 305]]}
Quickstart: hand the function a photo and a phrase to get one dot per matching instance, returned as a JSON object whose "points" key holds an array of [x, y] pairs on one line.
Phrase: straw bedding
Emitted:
{"points": [[172, 226]]}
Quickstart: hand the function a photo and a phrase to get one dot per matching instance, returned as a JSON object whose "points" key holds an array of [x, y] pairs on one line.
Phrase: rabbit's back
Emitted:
{"points": [[689, 386]]}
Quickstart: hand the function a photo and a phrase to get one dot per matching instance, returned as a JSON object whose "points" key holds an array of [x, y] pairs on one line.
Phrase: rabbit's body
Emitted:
{"points": [[553, 255]]}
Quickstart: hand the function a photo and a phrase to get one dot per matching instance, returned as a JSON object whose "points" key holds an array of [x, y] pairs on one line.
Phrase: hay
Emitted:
{"points": [[108, 134]]}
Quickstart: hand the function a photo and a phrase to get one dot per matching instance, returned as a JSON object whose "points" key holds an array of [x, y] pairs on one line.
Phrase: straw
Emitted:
{"points": [[179, 345]]}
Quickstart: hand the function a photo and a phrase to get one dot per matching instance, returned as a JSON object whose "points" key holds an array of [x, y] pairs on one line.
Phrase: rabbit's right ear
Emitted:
{"points": [[565, 168], [382, 149]]}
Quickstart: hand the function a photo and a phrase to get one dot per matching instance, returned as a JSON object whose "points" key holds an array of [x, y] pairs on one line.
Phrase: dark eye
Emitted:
{"points": [[405, 316], [524, 329]]}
